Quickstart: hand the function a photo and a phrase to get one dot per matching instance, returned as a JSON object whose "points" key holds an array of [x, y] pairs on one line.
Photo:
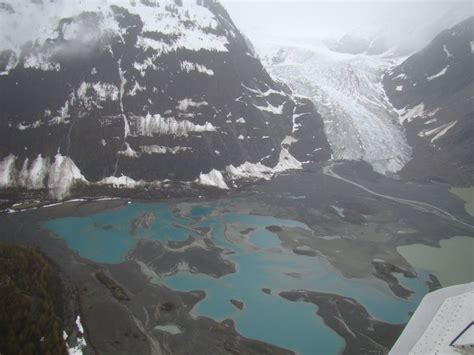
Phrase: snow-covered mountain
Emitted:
{"points": [[137, 92], [359, 122], [433, 91]]}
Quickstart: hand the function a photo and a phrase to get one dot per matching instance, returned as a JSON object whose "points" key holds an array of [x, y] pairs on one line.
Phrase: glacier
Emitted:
{"points": [[359, 121]]}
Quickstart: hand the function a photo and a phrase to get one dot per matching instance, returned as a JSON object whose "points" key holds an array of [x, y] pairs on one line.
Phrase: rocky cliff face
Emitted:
{"points": [[130, 93], [433, 90]]}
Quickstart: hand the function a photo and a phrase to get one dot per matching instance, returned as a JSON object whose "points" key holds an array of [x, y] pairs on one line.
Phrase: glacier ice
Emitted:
{"points": [[359, 121]]}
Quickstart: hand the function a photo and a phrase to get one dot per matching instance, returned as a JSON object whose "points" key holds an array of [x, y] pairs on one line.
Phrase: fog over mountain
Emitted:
{"points": [[336, 54], [407, 25]]}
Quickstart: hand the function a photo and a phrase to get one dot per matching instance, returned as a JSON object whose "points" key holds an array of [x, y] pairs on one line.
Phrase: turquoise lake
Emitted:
{"points": [[105, 237]]}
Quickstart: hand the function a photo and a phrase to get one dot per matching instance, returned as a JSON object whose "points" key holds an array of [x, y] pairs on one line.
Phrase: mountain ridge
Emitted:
{"points": [[168, 92], [432, 91]]}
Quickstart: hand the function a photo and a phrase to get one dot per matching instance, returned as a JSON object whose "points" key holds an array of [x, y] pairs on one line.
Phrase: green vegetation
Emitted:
{"points": [[117, 291], [30, 303]]}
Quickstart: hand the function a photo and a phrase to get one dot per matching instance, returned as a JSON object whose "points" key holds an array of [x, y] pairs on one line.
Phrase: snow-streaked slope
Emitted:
{"points": [[360, 123], [436, 106]]}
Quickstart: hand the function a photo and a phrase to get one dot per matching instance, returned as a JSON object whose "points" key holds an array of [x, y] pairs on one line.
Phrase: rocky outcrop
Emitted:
{"points": [[432, 91]]}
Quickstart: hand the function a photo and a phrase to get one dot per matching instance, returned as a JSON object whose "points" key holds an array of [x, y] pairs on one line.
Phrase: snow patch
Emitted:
{"points": [[40, 62], [184, 104], [401, 76], [249, 170], [156, 124], [188, 66], [22, 126], [287, 162], [79, 324], [213, 178], [261, 93], [62, 176], [445, 50], [159, 149], [414, 112], [128, 151], [276, 110], [136, 88], [296, 126], [399, 88], [80, 340], [438, 132], [240, 120], [440, 73], [120, 182], [106, 91], [63, 115], [289, 140], [101, 92]]}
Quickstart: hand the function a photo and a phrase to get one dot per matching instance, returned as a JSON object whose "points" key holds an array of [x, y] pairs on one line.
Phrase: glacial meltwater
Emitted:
{"points": [[106, 237]]}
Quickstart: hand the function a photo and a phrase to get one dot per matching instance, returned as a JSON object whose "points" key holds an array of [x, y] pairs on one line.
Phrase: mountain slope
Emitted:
{"points": [[432, 90], [127, 93]]}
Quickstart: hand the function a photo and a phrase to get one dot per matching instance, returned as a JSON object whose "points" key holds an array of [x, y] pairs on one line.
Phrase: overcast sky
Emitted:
{"points": [[415, 21]]}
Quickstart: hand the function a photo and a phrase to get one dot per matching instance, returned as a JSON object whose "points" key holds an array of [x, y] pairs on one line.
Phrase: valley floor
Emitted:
{"points": [[220, 275]]}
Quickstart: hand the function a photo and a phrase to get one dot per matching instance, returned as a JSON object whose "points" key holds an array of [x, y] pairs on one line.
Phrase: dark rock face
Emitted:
{"points": [[433, 89], [148, 90]]}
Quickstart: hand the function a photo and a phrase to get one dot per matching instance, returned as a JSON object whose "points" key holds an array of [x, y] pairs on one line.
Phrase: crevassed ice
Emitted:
{"points": [[359, 121]]}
